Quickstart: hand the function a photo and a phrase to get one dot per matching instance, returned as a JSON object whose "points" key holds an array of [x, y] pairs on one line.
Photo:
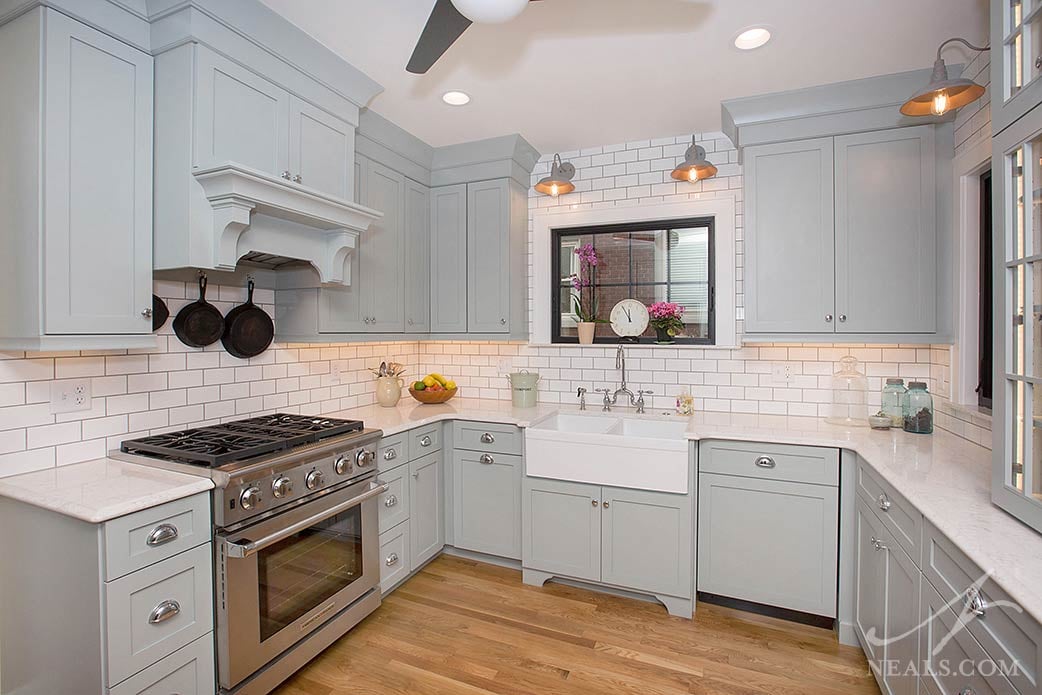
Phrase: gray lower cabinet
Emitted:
{"points": [[79, 194], [486, 497], [124, 607], [629, 539], [562, 528], [426, 508], [395, 554], [769, 541]]}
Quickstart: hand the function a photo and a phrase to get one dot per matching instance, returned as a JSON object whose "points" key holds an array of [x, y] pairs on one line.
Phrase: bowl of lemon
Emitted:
{"points": [[433, 388]]}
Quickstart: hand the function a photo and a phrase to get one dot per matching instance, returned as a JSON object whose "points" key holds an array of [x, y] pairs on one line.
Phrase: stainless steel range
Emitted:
{"points": [[295, 535]]}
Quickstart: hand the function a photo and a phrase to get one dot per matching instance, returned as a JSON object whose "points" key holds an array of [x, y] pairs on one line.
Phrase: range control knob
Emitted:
{"points": [[250, 498], [342, 465], [364, 458], [314, 479], [282, 486]]}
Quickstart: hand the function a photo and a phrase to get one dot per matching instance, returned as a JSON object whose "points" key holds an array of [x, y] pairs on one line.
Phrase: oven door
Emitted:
{"points": [[284, 577]]}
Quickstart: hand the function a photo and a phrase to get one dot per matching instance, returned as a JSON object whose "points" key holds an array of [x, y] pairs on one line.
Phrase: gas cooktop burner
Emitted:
{"points": [[219, 445]]}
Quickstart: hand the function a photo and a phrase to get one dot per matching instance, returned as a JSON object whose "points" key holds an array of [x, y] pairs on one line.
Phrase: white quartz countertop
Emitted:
{"points": [[103, 489]]}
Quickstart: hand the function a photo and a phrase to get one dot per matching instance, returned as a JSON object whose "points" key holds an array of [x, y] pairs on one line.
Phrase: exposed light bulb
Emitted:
{"points": [[554, 190], [692, 175], [940, 103]]}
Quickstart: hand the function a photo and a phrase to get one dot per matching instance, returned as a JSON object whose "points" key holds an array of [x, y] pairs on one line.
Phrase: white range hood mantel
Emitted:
{"points": [[256, 212]]}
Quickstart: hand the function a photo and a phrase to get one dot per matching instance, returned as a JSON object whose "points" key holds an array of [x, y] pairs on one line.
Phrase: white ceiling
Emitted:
{"points": [[573, 73]]}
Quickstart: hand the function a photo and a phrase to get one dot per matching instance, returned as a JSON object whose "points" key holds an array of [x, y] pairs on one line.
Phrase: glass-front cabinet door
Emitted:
{"points": [[1017, 437], [1016, 59]]}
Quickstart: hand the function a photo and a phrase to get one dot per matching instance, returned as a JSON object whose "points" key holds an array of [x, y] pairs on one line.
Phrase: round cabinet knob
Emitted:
{"points": [[285, 175], [842, 318], [502, 322], [250, 498], [147, 313], [314, 479], [297, 178], [342, 465], [605, 505], [281, 487], [828, 318], [594, 502], [364, 458]]}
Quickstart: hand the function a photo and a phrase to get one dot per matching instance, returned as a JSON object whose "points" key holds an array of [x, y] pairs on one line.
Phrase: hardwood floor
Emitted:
{"points": [[470, 628]]}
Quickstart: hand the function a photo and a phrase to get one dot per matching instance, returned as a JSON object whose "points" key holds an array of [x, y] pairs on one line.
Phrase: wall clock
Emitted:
{"points": [[629, 318]]}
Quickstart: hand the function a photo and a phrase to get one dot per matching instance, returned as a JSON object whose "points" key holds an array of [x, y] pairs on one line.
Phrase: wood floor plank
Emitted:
{"points": [[461, 627]]}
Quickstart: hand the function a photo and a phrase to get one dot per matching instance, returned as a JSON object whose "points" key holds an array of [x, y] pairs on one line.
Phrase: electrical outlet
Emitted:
{"points": [[781, 374], [506, 365], [334, 371], [70, 396]]}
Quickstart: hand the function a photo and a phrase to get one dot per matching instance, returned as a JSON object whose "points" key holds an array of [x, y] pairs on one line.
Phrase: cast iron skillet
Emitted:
{"points": [[248, 330], [160, 312], [200, 323]]}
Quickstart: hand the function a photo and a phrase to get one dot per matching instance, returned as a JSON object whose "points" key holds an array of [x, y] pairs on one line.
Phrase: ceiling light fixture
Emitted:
{"points": [[751, 38], [695, 167], [490, 11], [455, 98], [559, 181], [942, 94]]}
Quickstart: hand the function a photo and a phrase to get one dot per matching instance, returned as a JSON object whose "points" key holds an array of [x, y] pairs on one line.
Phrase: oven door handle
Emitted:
{"points": [[244, 550]]}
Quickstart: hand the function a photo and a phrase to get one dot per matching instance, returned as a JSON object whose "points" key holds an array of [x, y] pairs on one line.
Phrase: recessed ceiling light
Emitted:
{"points": [[751, 38], [455, 98]]}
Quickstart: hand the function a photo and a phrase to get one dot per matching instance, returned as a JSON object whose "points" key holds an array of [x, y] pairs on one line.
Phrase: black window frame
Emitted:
{"points": [[627, 227], [985, 293]]}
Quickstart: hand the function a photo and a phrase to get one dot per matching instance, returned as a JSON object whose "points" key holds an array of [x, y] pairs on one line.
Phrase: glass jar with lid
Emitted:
{"points": [[892, 402], [848, 405], [918, 409]]}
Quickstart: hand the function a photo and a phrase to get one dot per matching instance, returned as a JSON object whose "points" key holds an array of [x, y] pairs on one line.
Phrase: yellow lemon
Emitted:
{"points": [[429, 381], [450, 384]]}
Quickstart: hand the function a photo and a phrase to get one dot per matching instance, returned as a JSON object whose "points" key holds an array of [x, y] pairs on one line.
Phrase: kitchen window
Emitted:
{"points": [[655, 261]]}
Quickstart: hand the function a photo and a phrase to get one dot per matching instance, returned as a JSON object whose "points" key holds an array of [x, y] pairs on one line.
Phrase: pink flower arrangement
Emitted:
{"points": [[666, 316], [585, 303]]}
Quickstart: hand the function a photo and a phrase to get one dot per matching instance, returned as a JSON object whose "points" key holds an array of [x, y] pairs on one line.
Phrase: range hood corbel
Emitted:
{"points": [[256, 212]]}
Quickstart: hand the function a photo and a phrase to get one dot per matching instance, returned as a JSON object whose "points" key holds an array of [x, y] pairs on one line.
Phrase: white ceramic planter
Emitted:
{"points": [[389, 390]]}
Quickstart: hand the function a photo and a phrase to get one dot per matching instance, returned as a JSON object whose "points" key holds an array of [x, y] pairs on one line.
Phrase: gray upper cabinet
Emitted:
{"points": [[79, 272], [448, 258], [496, 225], [886, 254], [823, 256], [239, 117], [417, 240], [322, 150], [789, 237], [487, 503]]}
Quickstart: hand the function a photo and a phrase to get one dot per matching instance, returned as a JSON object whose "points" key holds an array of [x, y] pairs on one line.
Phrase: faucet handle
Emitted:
{"points": [[640, 399], [580, 392], [649, 392], [607, 398]]}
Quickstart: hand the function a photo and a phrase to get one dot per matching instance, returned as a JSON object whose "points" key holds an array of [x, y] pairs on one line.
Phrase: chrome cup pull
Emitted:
{"points": [[486, 459], [164, 611], [884, 502], [390, 501], [390, 454], [162, 534], [765, 462], [975, 603], [488, 438], [425, 440], [391, 560]]}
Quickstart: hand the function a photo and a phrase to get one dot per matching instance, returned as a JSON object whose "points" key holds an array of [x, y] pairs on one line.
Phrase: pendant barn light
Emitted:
{"points": [[490, 11], [695, 167], [943, 94], [559, 181]]}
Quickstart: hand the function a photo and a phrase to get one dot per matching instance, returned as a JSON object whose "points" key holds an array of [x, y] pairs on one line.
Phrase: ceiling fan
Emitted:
{"points": [[450, 18]]}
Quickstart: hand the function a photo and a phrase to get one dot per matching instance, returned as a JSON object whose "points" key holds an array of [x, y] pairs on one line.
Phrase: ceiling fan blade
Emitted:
{"points": [[444, 26]]}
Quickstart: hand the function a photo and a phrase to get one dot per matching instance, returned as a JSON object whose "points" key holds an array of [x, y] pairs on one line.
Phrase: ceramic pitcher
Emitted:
{"points": [[389, 390]]}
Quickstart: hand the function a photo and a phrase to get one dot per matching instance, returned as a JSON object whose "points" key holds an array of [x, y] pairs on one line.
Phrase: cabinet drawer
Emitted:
{"points": [[953, 662], [394, 556], [424, 440], [188, 671], [487, 437], [897, 514], [146, 537], [768, 541], [156, 611], [393, 451], [1007, 635], [797, 464], [394, 504]]}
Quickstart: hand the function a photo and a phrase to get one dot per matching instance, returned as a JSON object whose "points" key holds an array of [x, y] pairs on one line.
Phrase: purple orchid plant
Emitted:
{"points": [[583, 298]]}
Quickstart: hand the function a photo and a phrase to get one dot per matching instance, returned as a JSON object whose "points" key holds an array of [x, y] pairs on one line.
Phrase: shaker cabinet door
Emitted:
{"points": [[321, 150], [426, 508], [487, 503], [488, 256], [383, 248], [870, 588], [886, 254], [98, 182], [448, 259], [789, 238], [239, 117], [417, 235], [562, 528]]}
